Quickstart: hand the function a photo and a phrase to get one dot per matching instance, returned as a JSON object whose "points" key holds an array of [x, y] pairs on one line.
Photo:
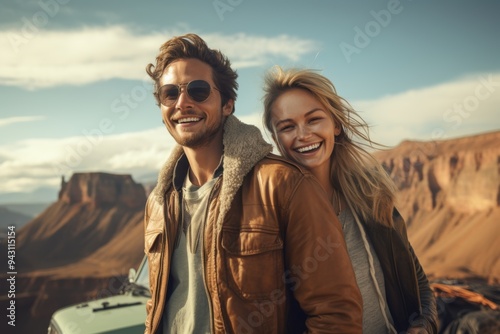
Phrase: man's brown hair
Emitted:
{"points": [[193, 46]]}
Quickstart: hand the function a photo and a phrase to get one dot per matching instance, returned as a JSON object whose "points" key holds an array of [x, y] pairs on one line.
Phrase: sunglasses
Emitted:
{"points": [[197, 90]]}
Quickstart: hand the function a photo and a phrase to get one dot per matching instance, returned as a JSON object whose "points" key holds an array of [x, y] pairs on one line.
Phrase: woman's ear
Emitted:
{"points": [[338, 130]]}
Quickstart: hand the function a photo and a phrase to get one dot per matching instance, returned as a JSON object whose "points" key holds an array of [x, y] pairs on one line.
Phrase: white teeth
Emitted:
{"points": [[188, 120], [308, 148]]}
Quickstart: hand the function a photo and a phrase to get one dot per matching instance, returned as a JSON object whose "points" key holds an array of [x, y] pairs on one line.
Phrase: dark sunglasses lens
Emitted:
{"points": [[198, 90], [168, 94]]}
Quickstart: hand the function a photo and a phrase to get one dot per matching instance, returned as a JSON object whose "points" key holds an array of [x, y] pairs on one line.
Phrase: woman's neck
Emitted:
{"points": [[323, 176]]}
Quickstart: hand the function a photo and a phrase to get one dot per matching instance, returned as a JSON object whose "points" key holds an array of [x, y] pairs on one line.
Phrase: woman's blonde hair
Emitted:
{"points": [[354, 172]]}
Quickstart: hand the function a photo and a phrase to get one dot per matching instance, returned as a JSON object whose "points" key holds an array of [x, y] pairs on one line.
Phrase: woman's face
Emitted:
{"points": [[304, 130]]}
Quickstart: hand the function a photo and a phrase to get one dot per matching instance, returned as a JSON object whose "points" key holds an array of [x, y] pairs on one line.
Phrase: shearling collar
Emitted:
{"points": [[244, 146]]}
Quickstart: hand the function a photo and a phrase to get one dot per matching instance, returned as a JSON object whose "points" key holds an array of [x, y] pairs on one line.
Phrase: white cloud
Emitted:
{"points": [[29, 164], [49, 58], [459, 108], [19, 119], [248, 51]]}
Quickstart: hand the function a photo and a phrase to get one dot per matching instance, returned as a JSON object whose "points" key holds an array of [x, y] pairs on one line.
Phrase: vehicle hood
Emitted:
{"points": [[107, 315]]}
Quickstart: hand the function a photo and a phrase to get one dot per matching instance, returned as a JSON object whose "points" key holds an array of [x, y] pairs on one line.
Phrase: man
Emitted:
{"points": [[236, 237]]}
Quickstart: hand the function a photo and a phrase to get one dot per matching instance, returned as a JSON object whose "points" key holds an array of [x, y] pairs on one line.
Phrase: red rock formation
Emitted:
{"points": [[449, 193], [79, 246], [102, 189], [93, 209]]}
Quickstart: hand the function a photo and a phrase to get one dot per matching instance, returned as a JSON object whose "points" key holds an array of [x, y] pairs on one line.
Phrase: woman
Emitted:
{"points": [[315, 127]]}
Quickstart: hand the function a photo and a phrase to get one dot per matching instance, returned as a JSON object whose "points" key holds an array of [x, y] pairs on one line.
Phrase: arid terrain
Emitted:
{"points": [[82, 246], [449, 194]]}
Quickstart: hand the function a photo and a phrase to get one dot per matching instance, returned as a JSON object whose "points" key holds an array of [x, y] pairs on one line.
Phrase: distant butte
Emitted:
{"points": [[449, 194]]}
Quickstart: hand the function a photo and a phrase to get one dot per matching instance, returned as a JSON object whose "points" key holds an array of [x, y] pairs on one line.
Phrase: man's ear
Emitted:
{"points": [[227, 109]]}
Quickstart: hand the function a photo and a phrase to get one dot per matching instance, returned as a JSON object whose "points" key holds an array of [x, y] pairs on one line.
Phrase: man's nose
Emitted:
{"points": [[183, 99]]}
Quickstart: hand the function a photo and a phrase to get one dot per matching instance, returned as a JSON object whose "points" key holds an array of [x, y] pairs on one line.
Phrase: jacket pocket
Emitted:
{"points": [[153, 241], [254, 261]]}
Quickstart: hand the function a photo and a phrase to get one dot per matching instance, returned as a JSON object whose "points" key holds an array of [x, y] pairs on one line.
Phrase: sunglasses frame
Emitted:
{"points": [[186, 89]]}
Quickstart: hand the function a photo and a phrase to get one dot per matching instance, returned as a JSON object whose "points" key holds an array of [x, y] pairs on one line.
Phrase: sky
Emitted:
{"points": [[75, 97]]}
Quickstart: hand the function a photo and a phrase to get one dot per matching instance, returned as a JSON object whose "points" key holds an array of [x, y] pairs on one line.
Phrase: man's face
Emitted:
{"points": [[193, 124]]}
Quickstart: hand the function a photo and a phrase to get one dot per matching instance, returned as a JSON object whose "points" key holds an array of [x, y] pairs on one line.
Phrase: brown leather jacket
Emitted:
{"points": [[269, 244]]}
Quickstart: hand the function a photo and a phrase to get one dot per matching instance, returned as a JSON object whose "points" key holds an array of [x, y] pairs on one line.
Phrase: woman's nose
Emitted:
{"points": [[303, 132]]}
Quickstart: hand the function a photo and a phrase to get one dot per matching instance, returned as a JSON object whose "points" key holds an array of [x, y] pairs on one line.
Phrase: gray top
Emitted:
{"points": [[187, 308], [373, 320]]}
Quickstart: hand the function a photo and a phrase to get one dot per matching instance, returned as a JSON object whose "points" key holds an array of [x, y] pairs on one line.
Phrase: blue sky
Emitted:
{"points": [[74, 95]]}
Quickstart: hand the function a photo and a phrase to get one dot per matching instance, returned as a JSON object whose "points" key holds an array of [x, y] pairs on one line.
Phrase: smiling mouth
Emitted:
{"points": [[186, 120], [308, 148]]}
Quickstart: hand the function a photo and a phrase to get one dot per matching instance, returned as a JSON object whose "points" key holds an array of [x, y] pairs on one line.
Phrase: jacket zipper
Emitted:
{"points": [[210, 308]]}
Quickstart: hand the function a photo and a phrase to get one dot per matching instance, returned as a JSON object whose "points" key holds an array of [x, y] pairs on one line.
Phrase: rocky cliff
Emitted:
{"points": [[79, 246], [102, 190], [93, 210], [449, 194]]}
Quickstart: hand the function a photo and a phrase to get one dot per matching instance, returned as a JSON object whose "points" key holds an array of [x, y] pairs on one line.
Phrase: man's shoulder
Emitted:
{"points": [[153, 203]]}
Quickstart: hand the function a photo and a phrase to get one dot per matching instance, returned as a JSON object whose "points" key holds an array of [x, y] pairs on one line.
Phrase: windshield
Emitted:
{"points": [[142, 277]]}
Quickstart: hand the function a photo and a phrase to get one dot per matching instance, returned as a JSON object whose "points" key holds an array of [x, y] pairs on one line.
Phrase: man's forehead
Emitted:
{"points": [[185, 70]]}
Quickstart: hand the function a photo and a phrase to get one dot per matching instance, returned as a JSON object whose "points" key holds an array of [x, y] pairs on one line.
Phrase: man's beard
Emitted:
{"points": [[201, 138]]}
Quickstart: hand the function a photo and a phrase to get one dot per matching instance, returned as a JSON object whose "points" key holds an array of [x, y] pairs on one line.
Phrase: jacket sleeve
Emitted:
{"points": [[318, 267], [428, 318]]}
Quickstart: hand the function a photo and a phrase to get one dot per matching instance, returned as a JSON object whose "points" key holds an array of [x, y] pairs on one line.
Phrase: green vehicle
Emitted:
{"points": [[120, 314]]}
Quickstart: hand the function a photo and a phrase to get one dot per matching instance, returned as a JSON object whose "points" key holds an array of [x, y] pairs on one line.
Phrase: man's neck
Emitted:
{"points": [[202, 163]]}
